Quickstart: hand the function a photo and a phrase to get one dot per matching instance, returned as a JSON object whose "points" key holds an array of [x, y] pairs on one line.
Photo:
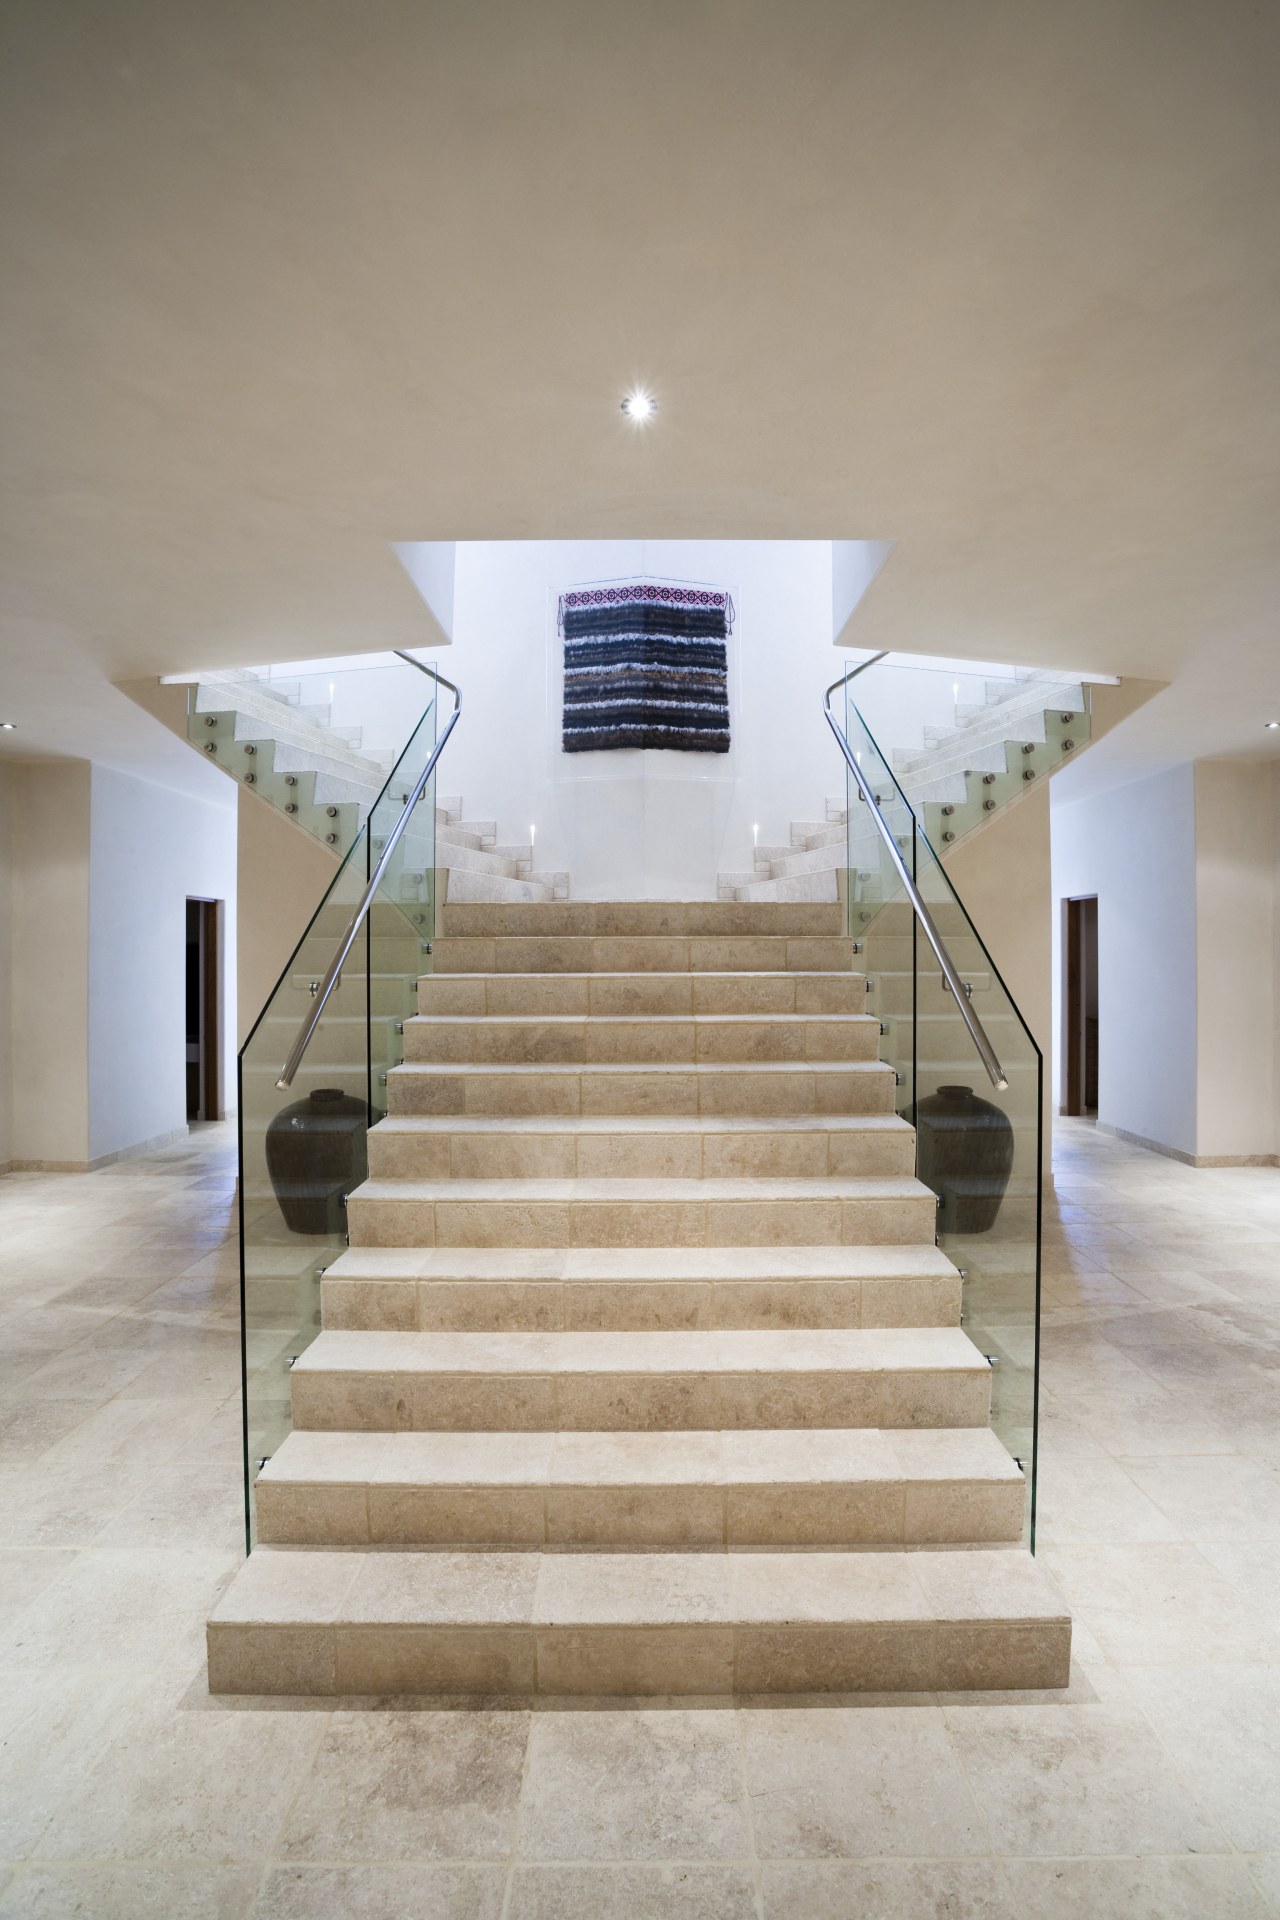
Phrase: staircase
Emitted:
{"points": [[325, 780], [955, 782], [642, 1372]]}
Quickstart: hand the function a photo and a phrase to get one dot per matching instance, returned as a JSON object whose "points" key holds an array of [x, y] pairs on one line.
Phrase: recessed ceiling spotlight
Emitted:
{"points": [[1271, 725], [639, 405], [8, 726]]}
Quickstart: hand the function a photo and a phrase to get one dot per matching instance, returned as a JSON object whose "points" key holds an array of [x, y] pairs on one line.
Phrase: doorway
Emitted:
{"points": [[203, 1000], [1080, 1006]]}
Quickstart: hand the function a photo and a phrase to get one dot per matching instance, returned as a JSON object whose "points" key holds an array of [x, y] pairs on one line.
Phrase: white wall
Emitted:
{"points": [[1135, 849], [49, 1004], [150, 849], [657, 823], [1185, 867]]}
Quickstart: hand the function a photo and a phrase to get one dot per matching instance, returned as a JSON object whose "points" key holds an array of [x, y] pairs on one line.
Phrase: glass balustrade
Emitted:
{"points": [[979, 1146], [303, 1149]]}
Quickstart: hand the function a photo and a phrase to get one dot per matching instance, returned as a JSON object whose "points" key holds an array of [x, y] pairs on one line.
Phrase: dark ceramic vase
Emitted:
{"points": [[964, 1149], [316, 1153]]}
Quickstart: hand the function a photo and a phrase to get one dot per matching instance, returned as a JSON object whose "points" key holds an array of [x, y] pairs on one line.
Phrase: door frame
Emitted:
{"points": [[210, 1105], [1073, 1044]]}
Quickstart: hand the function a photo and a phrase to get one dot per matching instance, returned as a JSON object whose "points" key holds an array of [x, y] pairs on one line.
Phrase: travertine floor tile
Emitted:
{"points": [[633, 1786], [889, 1890], [134, 1892], [1077, 1780], [880, 1781], [207, 1786], [651, 1892], [1222, 1724], [410, 1786], [1180, 1889], [445, 1892]]}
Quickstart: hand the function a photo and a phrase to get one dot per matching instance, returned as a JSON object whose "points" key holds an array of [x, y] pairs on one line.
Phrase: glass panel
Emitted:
{"points": [[316, 744], [978, 1146], [303, 1149]]}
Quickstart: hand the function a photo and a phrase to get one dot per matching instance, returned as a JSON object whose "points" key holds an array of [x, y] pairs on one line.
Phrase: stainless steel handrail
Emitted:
{"points": [[345, 945], [977, 1033]]}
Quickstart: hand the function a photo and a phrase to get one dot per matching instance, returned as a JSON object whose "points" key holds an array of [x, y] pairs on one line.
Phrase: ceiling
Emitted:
{"points": [[287, 281]]}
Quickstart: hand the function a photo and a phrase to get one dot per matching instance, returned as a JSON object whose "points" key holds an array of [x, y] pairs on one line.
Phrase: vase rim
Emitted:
{"points": [[955, 1089]]}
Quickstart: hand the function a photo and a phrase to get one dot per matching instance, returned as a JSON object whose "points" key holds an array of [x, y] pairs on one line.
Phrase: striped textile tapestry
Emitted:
{"points": [[645, 665]]}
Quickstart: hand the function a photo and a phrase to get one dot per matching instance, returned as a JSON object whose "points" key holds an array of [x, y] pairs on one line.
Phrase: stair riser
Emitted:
{"points": [[637, 918], [749, 1094], [526, 996], [393, 996], [390, 1402], [763, 953], [915, 1657], [651, 1306], [795, 888], [646, 1156], [408, 1222], [893, 993], [344, 1043], [879, 1513], [606, 1042]]}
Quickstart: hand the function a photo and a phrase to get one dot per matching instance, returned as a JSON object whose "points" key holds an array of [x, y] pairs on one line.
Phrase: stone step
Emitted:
{"points": [[743, 1487], [367, 1622], [642, 1289], [651, 1039], [640, 919], [842, 1087], [793, 888], [639, 953], [612, 994], [850, 1210], [460, 857], [493, 889], [584, 1382], [428, 1147], [827, 855]]}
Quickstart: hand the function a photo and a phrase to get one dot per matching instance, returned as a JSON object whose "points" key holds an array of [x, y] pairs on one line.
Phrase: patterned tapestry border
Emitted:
{"points": [[647, 593]]}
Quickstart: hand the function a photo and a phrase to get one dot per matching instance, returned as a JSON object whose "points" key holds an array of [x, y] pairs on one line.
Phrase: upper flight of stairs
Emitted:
{"points": [[643, 1372], [326, 780], [962, 774]]}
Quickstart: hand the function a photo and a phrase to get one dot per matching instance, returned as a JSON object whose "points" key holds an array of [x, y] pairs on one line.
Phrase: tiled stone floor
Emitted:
{"points": [[1150, 1790]]}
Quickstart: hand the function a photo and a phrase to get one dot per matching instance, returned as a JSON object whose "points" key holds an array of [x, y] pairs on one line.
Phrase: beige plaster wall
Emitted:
{"points": [[1236, 959], [1003, 876], [281, 876], [49, 963], [7, 803]]}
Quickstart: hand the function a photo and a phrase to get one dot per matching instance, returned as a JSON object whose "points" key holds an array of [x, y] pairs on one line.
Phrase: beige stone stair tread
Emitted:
{"points": [[669, 1623], [438, 1068], [850, 1186], [736, 974], [644, 1123], [744, 1455], [642, 917], [503, 1264], [639, 1019], [736, 1350]]}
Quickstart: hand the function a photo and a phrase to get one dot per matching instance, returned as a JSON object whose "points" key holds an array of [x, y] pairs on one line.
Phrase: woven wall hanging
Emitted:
{"points": [[645, 665]]}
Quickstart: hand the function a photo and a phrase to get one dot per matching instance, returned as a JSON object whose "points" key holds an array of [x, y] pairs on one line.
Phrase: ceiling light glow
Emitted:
{"points": [[8, 726], [639, 405], [1271, 725]]}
